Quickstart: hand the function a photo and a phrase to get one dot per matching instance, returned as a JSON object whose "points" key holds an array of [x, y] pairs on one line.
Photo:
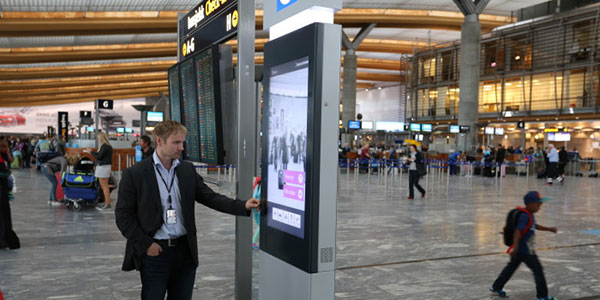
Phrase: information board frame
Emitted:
{"points": [[299, 252]]}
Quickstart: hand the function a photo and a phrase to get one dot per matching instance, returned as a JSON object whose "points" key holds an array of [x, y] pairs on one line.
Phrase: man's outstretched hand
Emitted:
{"points": [[253, 203]]}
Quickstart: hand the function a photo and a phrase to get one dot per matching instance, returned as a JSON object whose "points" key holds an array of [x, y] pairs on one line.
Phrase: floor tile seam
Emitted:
{"points": [[456, 257]]}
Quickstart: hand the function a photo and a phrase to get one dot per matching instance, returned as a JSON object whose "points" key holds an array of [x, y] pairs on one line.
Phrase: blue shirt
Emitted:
{"points": [[553, 155], [527, 241], [176, 230], [454, 156]]}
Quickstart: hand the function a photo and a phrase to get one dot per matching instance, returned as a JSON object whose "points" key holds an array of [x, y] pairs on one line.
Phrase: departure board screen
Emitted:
{"points": [[174, 94], [190, 110], [207, 108]]}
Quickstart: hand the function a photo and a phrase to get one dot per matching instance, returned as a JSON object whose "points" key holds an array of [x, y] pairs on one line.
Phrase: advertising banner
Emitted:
{"points": [[36, 119]]}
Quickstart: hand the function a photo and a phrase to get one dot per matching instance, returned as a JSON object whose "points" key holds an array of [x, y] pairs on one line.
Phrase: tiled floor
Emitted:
{"points": [[446, 246]]}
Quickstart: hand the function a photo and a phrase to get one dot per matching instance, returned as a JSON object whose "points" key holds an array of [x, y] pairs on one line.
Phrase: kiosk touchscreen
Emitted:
{"points": [[288, 118]]}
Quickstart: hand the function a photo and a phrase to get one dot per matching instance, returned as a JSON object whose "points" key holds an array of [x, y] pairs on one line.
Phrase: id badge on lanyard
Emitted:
{"points": [[171, 215]]}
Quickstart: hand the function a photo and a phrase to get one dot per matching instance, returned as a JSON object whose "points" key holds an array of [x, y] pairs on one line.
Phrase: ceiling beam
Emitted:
{"points": [[78, 100], [86, 70], [380, 77], [85, 55], [109, 23], [80, 81], [92, 87], [19, 101]]}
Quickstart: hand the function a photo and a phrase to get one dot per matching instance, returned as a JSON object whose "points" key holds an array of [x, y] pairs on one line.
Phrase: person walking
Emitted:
{"points": [[103, 167], [552, 165], [500, 155], [563, 159], [155, 213], [416, 170], [522, 249]]}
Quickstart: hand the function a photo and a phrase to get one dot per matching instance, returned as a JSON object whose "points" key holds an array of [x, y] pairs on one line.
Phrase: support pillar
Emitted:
{"points": [[349, 78], [469, 80], [470, 41]]}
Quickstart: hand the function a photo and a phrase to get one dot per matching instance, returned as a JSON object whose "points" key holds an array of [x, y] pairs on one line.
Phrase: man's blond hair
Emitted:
{"points": [[167, 128]]}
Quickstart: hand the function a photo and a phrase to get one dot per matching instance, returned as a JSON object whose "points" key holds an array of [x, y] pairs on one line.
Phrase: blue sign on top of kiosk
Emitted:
{"points": [[281, 4]]}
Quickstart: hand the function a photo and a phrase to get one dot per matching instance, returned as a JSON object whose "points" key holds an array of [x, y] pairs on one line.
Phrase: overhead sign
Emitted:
{"points": [[556, 130], [202, 14], [219, 28], [63, 124], [521, 124], [277, 11], [281, 4], [85, 114], [104, 104], [465, 129]]}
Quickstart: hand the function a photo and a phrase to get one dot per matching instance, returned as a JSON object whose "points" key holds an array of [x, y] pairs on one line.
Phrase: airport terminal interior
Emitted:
{"points": [[497, 98]]}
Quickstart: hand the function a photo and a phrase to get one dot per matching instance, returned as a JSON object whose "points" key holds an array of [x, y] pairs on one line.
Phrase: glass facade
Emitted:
{"points": [[550, 67]]}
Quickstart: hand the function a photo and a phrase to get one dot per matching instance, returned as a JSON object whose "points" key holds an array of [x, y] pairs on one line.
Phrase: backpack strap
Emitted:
{"points": [[524, 231]]}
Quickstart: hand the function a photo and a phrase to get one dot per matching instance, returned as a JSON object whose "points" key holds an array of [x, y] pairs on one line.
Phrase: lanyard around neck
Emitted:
{"points": [[168, 187]]}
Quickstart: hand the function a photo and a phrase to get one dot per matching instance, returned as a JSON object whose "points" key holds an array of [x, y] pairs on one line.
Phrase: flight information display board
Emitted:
{"points": [[209, 110], [174, 94], [190, 110]]}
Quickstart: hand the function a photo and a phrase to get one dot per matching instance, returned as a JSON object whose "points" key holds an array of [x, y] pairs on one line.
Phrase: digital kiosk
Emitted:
{"points": [[299, 164]]}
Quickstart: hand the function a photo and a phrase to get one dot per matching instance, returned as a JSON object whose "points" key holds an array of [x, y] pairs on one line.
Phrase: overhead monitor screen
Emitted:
{"points": [[154, 116], [128, 130], [120, 130], [562, 137], [415, 127], [288, 124], [499, 131], [454, 129], [89, 129], [390, 126], [367, 125], [489, 130], [427, 127], [174, 94], [353, 124]]}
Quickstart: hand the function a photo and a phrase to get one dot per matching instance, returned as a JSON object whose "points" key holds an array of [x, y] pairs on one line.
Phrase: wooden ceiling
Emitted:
{"points": [[146, 76]]}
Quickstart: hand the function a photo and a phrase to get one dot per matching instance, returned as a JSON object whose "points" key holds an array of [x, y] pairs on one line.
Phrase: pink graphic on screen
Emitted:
{"points": [[292, 192], [294, 177]]}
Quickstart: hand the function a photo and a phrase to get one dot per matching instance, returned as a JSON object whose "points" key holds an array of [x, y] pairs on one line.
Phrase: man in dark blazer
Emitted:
{"points": [[155, 212]]}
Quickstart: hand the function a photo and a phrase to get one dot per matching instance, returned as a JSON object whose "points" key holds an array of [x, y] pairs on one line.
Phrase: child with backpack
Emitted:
{"points": [[519, 234]]}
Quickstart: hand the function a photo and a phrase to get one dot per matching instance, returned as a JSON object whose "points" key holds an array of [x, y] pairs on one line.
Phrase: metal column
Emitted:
{"points": [[247, 139]]}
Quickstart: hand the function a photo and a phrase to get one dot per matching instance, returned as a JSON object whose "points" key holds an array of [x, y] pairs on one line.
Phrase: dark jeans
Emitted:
{"points": [[453, 168], [530, 261], [552, 170], [413, 181], [53, 182], [173, 273]]}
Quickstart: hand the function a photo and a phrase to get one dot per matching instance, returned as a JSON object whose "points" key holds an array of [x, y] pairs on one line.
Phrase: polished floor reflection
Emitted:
{"points": [[446, 246]]}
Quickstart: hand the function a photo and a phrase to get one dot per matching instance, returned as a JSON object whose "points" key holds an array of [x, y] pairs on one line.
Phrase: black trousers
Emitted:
{"points": [[173, 273], [552, 170], [561, 168], [530, 261], [413, 181]]}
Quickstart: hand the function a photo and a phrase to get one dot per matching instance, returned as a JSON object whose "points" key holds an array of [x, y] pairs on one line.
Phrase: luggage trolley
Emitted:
{"points": [[80, 186]]}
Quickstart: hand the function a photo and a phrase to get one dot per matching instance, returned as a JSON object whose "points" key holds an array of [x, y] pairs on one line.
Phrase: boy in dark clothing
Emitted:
{"points": [[522, 249]]}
